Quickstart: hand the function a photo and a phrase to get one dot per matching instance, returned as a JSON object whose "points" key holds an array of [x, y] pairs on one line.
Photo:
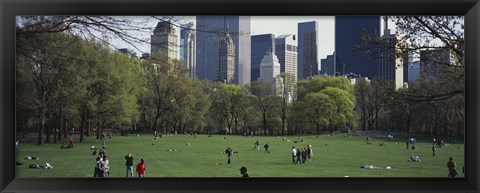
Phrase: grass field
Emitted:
{"points": [[334, 156]]}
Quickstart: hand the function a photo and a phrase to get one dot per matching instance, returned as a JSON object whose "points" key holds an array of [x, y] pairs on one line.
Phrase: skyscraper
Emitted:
{"points": [[328, 65], [187, 47], [226, 59], [165, 39], [390, 67], [307, 49], [286, 51], [348, 30], [269, 69], [209, 30], [260, 45]]}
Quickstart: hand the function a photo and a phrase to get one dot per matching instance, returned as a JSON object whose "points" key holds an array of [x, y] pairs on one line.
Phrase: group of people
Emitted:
{"points": [[257, 146], [65, 146], [102, 167], [102, 164], [302, 154], [140, 169], [412, 142]]}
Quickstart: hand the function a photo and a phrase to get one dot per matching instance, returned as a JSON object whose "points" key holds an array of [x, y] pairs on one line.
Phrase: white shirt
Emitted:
{"points": [[294, 151]]}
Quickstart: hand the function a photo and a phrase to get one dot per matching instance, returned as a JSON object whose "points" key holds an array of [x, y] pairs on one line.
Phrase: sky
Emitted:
{"points": [[278, 25]]}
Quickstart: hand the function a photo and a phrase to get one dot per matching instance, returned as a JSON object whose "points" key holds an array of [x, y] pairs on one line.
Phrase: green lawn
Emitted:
{"points": [[334, 156]]}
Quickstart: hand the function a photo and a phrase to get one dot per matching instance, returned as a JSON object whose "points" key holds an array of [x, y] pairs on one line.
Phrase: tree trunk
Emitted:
{"points": [[84, 123], [264, 117], [42, 128], [48, 129]]}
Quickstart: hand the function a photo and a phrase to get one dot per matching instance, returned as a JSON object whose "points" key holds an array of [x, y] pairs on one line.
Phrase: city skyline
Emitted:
{"points": [[277, 25]]}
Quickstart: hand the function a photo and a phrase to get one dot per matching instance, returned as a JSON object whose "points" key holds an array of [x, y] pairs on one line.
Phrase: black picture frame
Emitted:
{"points": [[10, 8]]}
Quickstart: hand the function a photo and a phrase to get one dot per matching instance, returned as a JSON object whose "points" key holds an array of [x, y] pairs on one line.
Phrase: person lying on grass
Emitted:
{"points": [[414, 158]]}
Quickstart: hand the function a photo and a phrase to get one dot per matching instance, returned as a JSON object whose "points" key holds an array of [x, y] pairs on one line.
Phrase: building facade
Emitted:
{"points": [[348, 30], [287, 52], [187, 48], [226, 59], [307, 50], [327, 65], [390, 66], [164, 39], [269, 69], [208, 42], [413, 71], [260, 45]]}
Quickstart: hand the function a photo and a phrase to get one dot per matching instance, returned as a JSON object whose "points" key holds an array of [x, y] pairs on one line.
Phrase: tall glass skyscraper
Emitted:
{"points": [[347, 33], [209, 32], [307, 49], [261, 44]]}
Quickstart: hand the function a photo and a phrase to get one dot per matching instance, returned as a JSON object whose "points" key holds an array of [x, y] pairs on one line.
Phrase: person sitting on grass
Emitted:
{"points": [[64, 146]]}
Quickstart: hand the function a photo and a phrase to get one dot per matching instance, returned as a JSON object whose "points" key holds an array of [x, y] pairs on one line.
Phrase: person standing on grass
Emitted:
{"points": [[106, 166], [229, 153], [451, 164], [294, 153], [103, 152], [434, 149], [98, 168], [141, 168], [407, 143], [299, 156], [257, 145], [71, 142], [304, 155], [129, 164], [309, 153], [266, 146]]}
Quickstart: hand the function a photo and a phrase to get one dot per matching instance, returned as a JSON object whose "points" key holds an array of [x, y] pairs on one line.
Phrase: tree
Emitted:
{"points": [[264, 101], [344, 104], [287, 94], [320, 109], [43, 71]]}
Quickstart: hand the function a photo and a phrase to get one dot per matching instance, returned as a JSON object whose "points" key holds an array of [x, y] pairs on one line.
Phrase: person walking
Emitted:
{"points": [[294, 153], [141, 168], [304, 155], [452, 171], [98, 168], [434, 149], [299, 156], [129, 165], [407, 143], [257, 145], [229, 153], [243, 171], [310, 152], [267, 148], [106, 166]]}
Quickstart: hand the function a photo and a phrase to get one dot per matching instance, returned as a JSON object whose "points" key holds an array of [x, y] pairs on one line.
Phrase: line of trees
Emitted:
{"points": [[65, 80]]}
